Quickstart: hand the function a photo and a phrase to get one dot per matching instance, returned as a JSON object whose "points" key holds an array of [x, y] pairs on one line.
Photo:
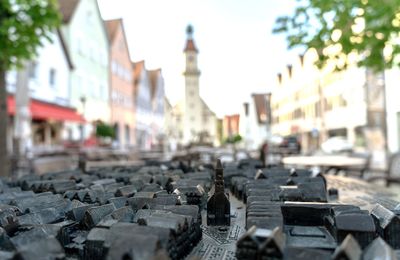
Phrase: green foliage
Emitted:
{"points": [[104, 130], [233, 139], [23, 26], [369, 29]]}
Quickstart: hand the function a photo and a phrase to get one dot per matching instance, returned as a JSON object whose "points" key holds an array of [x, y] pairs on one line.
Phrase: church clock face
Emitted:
{"points": [[191, 58]]}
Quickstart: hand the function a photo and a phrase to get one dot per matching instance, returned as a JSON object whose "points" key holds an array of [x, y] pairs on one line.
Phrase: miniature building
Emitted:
{"points": [[379, 249], [387, 225], [144, 212], [218, 206], [260, 243], [348, 249]]}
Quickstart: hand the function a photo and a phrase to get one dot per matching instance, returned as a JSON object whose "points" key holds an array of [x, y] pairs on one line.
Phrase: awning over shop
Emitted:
{"points": [[47, 111]]}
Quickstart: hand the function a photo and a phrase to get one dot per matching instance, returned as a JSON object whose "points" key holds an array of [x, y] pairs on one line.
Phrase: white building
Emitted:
{"points": [[197, 123], [172, 130], [156, 81], [48, 73], [47, 80], [144, 106], [316, 104], [87, 40], [149, 94], [254, 126]]}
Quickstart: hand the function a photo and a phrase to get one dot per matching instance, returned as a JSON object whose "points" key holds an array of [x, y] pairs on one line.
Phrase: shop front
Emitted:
{"points": [[48, 122]]}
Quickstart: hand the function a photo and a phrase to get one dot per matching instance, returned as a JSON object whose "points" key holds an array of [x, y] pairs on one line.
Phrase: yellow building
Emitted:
{"points": [[316, 104]]}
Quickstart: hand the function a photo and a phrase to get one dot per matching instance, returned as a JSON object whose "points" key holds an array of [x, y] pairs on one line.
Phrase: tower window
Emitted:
{"points": [[191, 58]]}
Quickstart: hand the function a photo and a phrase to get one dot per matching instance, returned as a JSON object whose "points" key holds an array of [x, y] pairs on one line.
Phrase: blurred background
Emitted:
{"points": [[152, 78]]}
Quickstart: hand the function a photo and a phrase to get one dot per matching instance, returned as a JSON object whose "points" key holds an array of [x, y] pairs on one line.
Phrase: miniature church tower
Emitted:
{"points": [[218, 206]]}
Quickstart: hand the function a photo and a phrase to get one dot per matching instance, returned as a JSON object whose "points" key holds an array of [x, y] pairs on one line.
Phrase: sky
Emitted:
{"points": [[238, 53]]}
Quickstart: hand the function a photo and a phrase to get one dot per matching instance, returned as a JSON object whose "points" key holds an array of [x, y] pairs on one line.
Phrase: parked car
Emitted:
{"points": [[337, 144], [290, 144], [284, 145]]}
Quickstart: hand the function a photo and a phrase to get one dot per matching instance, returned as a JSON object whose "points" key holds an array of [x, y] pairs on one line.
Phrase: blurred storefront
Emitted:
{"points": [[48, 122]]}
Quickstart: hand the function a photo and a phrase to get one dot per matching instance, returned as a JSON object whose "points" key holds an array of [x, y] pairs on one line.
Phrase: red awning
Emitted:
{"points": [[11, 105], [46, 111]]}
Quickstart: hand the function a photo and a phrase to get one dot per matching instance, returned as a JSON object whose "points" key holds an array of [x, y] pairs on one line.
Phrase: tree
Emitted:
{"points": [[346, 31], [233, 139], [104, 130], [23, 26]]}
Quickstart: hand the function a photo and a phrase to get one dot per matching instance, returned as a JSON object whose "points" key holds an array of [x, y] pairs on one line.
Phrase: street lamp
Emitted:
{"points": [[83, 101]]}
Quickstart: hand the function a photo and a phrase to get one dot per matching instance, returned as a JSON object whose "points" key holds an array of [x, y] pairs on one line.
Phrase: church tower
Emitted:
{"points": [[193, 103]]}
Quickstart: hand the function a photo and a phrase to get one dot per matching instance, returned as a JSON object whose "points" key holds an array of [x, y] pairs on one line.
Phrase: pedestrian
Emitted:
{"points": [[264, 153]]}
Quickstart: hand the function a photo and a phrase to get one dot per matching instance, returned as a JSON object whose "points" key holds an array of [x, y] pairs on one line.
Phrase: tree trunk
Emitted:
{"points": [[4, 159]]}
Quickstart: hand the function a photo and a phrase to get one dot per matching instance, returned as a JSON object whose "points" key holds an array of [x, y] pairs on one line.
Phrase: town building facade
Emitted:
{"points": [[156, 81], [87, 41], [121, 88], [230, 126], [38, 100], [149, 100], [255, 121], [315, 104], [142, 99], [173, 125]]}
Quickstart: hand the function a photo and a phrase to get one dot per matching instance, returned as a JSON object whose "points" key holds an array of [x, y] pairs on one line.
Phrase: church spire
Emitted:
{"points": [[190, 46], [189, 31], [219, 178]]}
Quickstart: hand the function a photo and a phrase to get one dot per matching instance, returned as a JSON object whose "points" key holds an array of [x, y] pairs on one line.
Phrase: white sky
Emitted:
{"points": [[238, 54]]}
